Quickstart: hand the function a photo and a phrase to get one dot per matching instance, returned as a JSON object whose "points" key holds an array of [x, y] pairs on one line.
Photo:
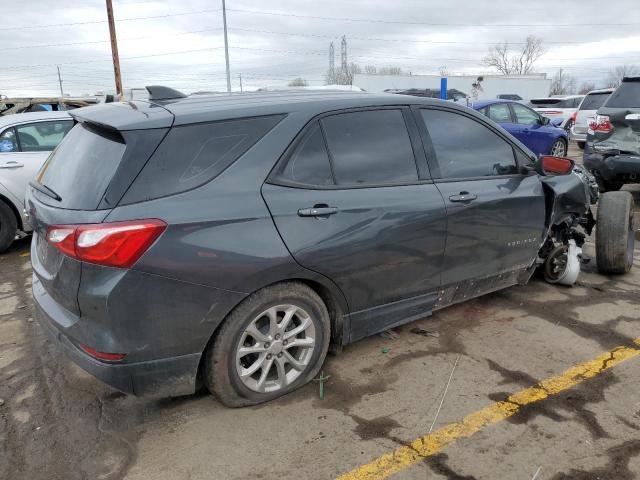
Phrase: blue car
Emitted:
{"points": [[535, 131]]}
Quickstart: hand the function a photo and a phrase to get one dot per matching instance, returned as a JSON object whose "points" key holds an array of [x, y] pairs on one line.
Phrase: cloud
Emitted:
{"points": [[182, 45]]}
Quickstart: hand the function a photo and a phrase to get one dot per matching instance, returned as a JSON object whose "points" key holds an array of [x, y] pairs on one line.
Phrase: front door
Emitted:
{"points": [[23, 150], [495, 213], [350, 204]]}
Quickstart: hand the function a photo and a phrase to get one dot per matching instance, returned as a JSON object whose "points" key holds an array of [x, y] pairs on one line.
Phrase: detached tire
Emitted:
{"points": [[614, 233], [8, 226], [272, 343]]}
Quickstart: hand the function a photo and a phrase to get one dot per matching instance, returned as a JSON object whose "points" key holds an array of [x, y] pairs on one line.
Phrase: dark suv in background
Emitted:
{"points": [[612, 150], [233, 239]]}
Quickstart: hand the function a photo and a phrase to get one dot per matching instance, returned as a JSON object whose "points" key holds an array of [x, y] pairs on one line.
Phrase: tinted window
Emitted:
{"points": [[499, 112], [370, 147], [524, 115], [42, 136], [82, 166], [466, 148], [309, 163], [192, 155], [594, 101], [627, 95]]}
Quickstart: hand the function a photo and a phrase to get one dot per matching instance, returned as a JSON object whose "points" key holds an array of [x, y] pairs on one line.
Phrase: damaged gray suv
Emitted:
{"points": [[234, 240]]}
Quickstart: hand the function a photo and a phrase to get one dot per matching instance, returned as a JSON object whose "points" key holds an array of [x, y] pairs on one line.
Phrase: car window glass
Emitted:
{"points": [[8, 141], [594, 101], [42, 136], [309, 163], [466, 148], [499, 113], [524, 115], [370, 147], [627, 95]]}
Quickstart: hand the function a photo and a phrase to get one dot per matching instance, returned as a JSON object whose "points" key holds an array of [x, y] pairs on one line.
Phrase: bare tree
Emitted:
{"points": [[390, 71], [298, 82], [444, 71], [343, 77], [615, 76], [562, 84], [509, 62], [586, 87], [370, 69]]}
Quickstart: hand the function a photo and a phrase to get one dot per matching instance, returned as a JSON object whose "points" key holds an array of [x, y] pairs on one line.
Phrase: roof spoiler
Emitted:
{"points": [[631, 79], [158, 92]]}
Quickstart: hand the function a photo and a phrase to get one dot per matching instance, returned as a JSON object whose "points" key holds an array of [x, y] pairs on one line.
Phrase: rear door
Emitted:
{"points": [[25, 148], [351, 203], [495, 214]]}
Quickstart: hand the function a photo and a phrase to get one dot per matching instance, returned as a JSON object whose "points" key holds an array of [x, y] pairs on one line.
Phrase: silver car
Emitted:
{"points": [[559, 108], [587, 113], [26, 139]]}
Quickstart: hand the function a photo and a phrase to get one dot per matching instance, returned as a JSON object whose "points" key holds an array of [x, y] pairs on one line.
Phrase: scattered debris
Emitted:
{"points": [[385, 349], [389, 334], [29, 319], [424, 333], [1, 402], [25, 254], [20, 307], [321, 381], [444, 394], [535, 475]]}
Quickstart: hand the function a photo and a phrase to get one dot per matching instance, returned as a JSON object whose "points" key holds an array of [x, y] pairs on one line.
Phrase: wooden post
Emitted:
{"points": [[114, 50]]}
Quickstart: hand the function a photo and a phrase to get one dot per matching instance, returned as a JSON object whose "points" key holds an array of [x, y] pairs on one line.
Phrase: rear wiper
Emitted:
{"points": [[46, 190]]}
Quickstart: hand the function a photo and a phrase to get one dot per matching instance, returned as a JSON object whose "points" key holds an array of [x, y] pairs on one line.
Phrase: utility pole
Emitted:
{"points": [[114, 50], [240, 77], [226, 44], [60, 82]]}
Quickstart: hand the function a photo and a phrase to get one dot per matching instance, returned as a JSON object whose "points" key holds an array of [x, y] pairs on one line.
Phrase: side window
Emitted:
{"points": [[309, 163], [8, 141], [499, 113], [370, 148], [42, 136], [192, 155], [524, 115], [466, 148]]}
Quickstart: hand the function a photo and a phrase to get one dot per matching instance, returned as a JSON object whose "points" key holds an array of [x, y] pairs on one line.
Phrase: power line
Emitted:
{"points": [[117, 20], [431, 24]]}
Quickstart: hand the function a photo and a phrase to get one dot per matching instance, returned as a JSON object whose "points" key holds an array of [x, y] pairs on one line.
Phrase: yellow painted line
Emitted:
{"points": [[416, 451]]}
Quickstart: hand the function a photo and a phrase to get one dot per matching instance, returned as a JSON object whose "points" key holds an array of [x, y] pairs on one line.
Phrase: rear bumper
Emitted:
{"points": [[622, 168], [578, 135], [162, 377]]}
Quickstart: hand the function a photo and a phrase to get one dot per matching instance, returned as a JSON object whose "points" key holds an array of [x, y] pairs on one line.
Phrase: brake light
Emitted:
{"points": [[116, 244], [552, 112], [574, 116], [110, 357], [602, 123]]}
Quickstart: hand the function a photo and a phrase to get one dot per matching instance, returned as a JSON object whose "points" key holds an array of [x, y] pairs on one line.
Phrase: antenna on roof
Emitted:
{"points": [[158, 92]]}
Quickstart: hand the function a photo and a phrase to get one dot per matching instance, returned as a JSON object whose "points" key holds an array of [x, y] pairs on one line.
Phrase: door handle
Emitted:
{"points": [[463, 197], [11, 164], [318, 211]]}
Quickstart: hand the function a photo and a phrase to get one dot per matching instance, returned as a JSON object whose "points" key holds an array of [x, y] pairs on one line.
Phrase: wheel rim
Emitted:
{"points": [[558, 149], [275, 348]]}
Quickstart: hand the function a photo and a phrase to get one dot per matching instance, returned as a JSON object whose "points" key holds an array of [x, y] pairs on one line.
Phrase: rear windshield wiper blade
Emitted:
{"points": [[46, 190]]}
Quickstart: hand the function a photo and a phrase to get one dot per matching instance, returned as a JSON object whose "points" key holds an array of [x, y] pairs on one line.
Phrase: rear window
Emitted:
{"points": [[594, 101], [627, 95], [192, 155], [80, 168]]}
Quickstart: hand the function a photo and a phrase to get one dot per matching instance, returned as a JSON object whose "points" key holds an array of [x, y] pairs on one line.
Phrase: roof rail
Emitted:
{"points": [[158, 92]]}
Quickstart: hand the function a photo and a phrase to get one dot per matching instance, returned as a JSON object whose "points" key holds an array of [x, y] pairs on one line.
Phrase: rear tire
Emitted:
{"points": [[614, 233], [250, 327], [8, 226]]}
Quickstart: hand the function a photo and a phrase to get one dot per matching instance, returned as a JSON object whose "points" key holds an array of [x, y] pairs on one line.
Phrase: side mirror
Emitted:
{"points": [[548, 165], [545, 121]]}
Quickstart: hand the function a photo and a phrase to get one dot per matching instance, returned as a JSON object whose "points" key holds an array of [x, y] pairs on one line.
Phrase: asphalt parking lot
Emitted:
{"points": [[531, 382]]}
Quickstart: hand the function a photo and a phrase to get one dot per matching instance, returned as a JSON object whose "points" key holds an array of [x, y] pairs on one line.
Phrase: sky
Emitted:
{"points": [[179, 43]]}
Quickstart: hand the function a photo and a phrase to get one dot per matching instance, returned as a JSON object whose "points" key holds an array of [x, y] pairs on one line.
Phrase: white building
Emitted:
{"points": [[527, 86]]}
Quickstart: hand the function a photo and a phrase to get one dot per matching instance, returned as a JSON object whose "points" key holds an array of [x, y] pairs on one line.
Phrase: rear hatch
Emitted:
{"points": [[80, 183], [587, 111], [618, 120]]}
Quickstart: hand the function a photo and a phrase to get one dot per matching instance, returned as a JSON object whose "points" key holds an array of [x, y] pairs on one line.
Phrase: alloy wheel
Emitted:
{"points": [[275, 348], [559, 149]]}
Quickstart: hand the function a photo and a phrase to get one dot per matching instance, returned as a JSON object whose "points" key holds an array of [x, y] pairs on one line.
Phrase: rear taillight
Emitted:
{"points": [[574, 116], [109, 357], [602, 123], [117, 244]]}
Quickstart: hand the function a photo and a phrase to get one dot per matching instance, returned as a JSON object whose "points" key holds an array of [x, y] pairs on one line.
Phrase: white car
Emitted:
{"points": [[587, 113], [559, 109], [26, 139]]}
